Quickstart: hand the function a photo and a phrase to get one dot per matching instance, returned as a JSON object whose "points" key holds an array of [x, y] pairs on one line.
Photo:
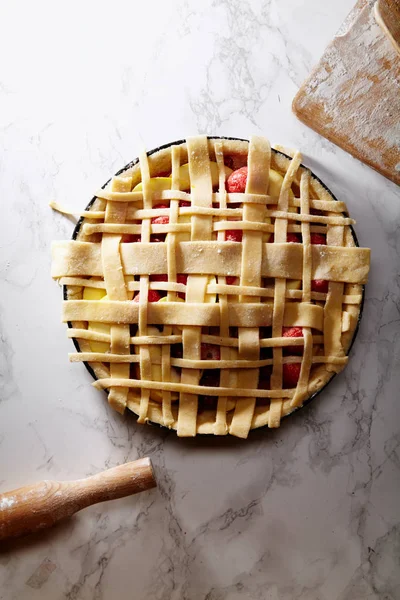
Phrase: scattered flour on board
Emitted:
{"points": [[7, 502], [342, 82]]}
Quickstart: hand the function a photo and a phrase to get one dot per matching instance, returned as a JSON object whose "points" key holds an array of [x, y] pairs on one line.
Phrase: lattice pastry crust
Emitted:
{"points": [[187, 328]]}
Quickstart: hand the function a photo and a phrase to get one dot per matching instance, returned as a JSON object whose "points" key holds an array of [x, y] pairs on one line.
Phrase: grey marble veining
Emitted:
{"points": [[306, 512]]}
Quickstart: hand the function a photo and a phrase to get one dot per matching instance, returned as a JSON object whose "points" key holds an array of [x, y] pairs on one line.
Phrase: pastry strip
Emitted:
{"points": [[227, 377], [115, 285], [275, 411], [302, 385], [259, 159], [144, 351], [347, 265], [201, 195], [172, 274]]}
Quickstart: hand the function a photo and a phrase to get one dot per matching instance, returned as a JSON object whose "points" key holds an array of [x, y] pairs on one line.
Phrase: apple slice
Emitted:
{"points": [[99, 328], [184, 176], [293, 284], [100, 294], [97, 294], [165, 299], [157, 184], [275, 184], [91, 293]]}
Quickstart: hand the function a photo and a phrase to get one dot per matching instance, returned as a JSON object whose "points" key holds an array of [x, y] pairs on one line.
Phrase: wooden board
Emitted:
{"points": [[352, 97], [387, 13]]}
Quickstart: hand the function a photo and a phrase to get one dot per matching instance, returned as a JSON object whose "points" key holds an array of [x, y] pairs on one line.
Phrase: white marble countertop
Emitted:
{"points": [[309, 511]]}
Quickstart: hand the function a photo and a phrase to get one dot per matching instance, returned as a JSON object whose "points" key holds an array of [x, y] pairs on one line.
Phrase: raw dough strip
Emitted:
{"points": [[202, 211], [221, 289], [131, 286], [334, 206], [90, 214], [302, 384], [329, 205], [275, 411], [333, 220], [348, 265], [172, 274], [227, 379], [135, 229], [222, 225], [90, 229], [144, 351], [173, 219], [116, 196], [259, 160], [87, 334], [323, 205], [195, 314], [351, 312], [333, 305], [201, 195], [116, 290], [186, 363], [192, 389]]}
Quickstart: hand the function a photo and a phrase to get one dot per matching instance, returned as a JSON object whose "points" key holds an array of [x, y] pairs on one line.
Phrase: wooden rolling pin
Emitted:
{"points": [[41, 505]]}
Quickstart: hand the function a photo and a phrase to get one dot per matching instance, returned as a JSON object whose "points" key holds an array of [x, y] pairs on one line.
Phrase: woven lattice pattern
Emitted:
{"points": [[181, 294]]}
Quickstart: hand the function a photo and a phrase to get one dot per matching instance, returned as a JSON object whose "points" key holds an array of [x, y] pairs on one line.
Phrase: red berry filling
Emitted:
{"points": [[236, 182], [291, 238], [318, 239], [292, 332], [164, 278], [210, 352], [264, 381], [158, 277], [182, 279], [320, 285], [153, 296], [234, 235], [231, 280], [291, 374], [128, 238], [162, 220]]}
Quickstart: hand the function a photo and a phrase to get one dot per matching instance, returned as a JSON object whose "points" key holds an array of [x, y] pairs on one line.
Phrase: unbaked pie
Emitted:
{"points": [[213, 286]]}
